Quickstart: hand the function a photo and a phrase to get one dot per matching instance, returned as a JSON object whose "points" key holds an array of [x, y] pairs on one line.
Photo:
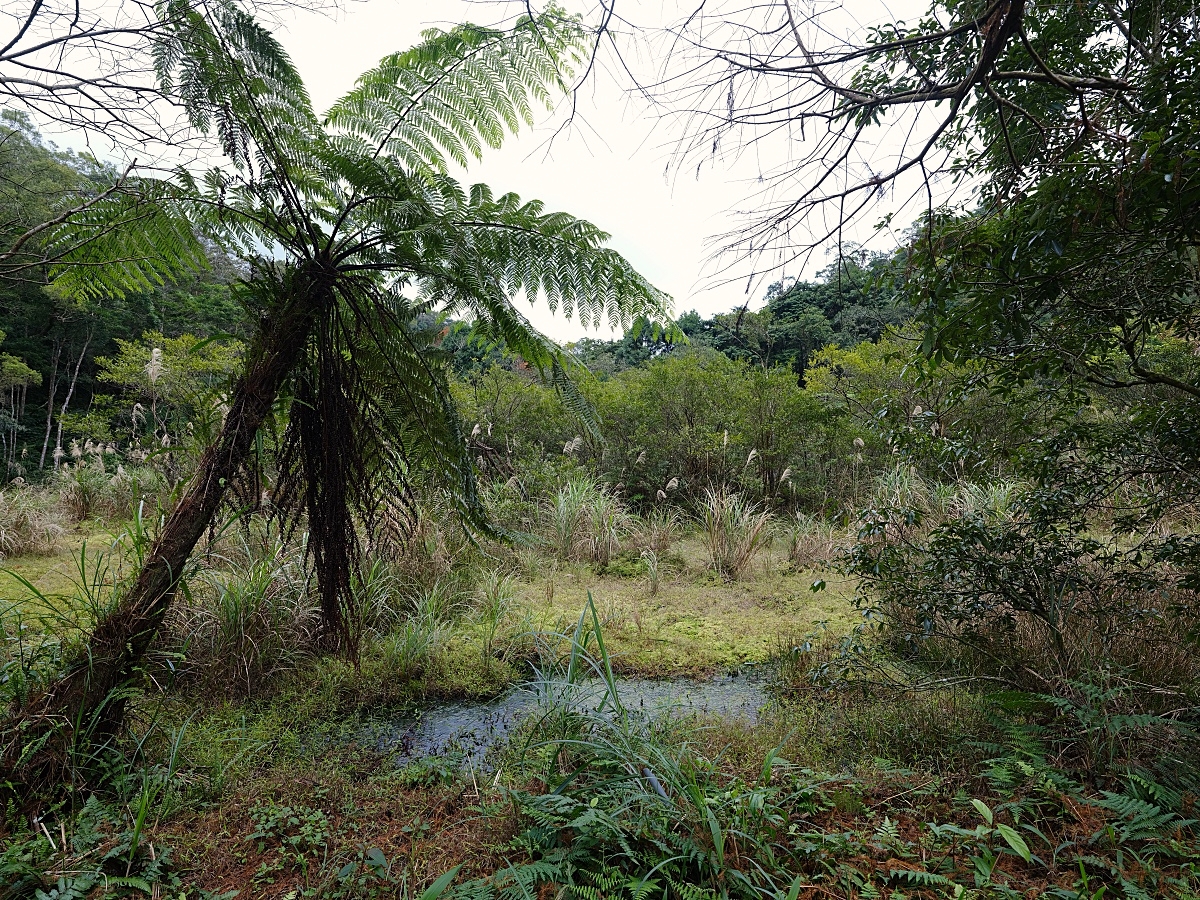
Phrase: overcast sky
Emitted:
{"points": [[609, 169]]}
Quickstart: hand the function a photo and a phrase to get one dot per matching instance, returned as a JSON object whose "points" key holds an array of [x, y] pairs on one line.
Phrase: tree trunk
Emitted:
{"points": [[51, 390], [67, 400], [86, 697]]}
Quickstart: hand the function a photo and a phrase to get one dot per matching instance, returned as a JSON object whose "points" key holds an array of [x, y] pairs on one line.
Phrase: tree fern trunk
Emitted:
{"points": [[85, 698]]}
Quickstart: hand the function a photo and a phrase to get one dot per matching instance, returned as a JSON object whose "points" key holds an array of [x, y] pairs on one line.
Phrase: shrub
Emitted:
{"points": [[1013, 590]]}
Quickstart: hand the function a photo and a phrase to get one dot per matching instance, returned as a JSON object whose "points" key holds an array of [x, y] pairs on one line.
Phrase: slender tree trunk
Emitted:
{"points": [[67, 399], [51, 390], [86, 693]]}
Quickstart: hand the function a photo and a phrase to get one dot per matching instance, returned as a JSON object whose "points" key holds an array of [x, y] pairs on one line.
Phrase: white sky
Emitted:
{"points": [[610, 169]]}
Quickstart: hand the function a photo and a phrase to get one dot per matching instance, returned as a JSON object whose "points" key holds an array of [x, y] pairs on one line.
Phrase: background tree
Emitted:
{"points": [[1049, 155]]}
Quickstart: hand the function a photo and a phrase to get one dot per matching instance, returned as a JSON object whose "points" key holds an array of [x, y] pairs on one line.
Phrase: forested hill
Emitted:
{"points": [[851, 301], [70, 369], [51, 344]]}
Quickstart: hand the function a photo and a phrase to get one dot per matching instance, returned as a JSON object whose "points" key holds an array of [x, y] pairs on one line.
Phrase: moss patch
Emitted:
{"points": [[695, 623], [55, 574]]}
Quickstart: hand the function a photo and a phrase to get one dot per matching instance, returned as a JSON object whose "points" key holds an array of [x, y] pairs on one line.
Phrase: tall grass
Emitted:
{"points": [[605, 524], [407, 651], [937, 501], [88, 489], [658, 530], [421, 543], [587, 521], [810, 542], [735, 531], [375, 610], [497, 596], [565, 513], [653, 572], [248, 620], [29, 522]]}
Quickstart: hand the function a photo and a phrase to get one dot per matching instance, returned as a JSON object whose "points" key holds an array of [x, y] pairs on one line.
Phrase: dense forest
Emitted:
{"points": [[325, 574]]}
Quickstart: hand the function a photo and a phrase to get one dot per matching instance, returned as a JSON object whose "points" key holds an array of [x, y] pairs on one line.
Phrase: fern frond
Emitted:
{"points": [[497, 249], [234, 77], [133, 239], [1141, 819], [459, 91]]}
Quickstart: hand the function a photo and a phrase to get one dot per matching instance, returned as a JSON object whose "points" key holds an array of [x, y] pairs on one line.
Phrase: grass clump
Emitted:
{"points": [[736, 532], [29, 522], [250, 618], [587, 521], [811, 543]]}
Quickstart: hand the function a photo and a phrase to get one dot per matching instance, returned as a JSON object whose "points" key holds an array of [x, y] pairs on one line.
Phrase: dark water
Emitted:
{"points": [[471, 728]]}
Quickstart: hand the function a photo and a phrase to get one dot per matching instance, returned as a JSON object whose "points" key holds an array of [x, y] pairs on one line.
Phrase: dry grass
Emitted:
{"points": [[658, 531], [30, 524]]}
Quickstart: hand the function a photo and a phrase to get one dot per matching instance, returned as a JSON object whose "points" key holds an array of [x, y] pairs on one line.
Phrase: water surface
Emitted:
{"points": [[472, 727]]}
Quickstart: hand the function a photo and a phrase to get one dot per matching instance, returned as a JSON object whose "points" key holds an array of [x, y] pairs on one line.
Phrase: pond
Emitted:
{"points": [[471, 728]]}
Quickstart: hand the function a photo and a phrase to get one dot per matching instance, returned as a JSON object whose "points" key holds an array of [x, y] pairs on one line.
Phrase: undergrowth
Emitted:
{"points": [[627, 806]]}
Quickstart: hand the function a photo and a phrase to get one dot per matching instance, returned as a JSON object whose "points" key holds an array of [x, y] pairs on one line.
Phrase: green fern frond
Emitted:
{"points": [[497, 249], [234, 77], [918, 878], [460, 91], [1141, 820], [133, 239]]}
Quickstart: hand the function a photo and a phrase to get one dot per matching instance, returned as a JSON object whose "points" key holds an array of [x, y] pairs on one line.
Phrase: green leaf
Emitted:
{"points": [[1015, 841], [436, 889], [983, 809]]}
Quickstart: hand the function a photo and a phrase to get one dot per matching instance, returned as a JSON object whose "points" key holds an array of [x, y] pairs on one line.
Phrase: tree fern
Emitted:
{"points": [[355, 231]]}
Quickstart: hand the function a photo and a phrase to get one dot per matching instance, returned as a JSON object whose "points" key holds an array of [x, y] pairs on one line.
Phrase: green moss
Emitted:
{"points": [[696, 623]]}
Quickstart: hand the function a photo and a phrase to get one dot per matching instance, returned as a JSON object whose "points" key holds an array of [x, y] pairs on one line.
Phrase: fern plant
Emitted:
{"points": [[357, 238]]}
